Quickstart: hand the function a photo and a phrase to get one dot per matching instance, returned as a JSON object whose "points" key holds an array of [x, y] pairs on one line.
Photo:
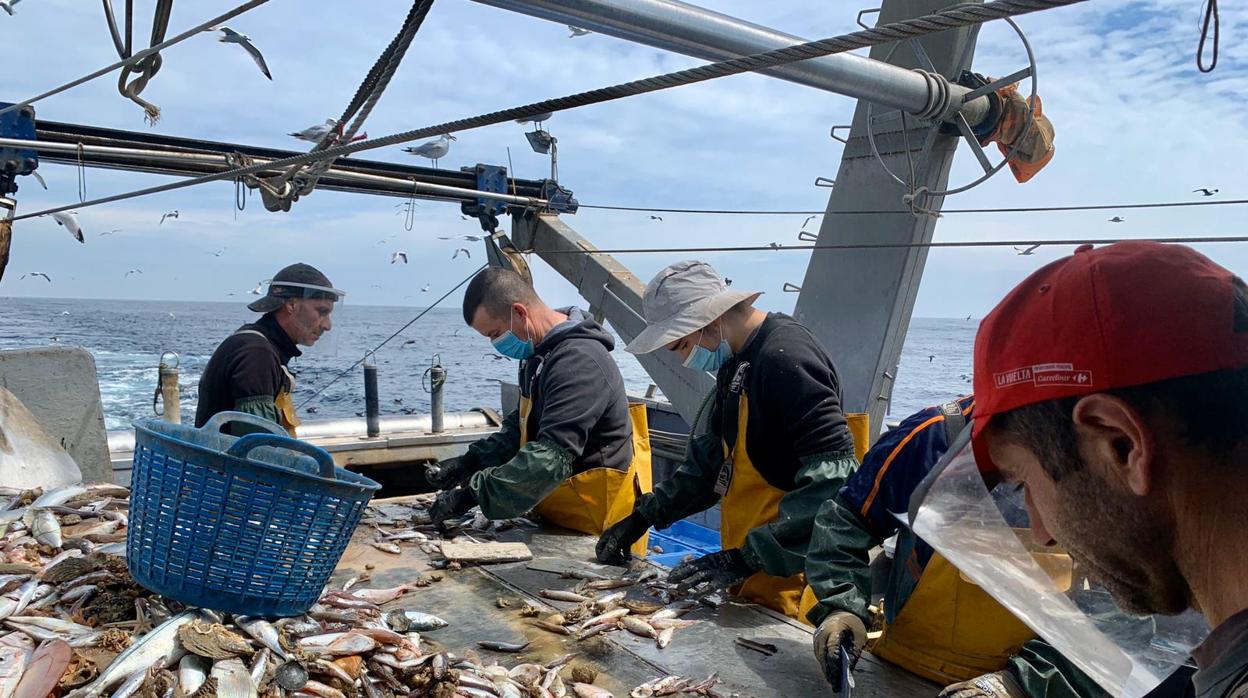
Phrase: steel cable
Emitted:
{"points": [[1006, 209], [950, 18], [776, 247]]}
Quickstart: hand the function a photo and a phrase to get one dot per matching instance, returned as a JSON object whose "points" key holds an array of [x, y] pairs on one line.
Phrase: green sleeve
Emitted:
{"points": [[1042, 671], [260, 406], [515, 487], [499, 447], [778, 547], [838, 566], [690, 489]]}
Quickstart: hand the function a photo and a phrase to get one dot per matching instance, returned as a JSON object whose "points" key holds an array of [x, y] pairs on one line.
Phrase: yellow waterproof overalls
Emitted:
{"points": [[950, 629], [749, 501], [284, 400], [592, 500]]}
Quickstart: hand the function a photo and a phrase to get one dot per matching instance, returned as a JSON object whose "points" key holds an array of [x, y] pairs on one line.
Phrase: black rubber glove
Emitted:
{"points": [[451, 472], [449, 504], [614, 543], [711, 573]]}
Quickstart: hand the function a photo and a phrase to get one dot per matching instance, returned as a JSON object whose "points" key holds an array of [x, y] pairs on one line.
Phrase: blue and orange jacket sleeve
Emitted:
{"points": [[894, 467]]}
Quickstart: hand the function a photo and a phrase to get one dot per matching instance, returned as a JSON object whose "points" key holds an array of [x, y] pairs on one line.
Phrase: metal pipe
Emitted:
{"points": [[437, 379], [695, 31], [169, 394], [372, 407], [122, 440], [170, 156]]}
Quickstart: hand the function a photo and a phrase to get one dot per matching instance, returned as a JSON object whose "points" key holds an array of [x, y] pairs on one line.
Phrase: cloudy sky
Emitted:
{"points": [[1135, 122]]}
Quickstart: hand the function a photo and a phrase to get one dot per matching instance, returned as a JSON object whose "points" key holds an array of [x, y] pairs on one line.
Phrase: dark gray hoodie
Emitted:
{"points": [[578, 395]]}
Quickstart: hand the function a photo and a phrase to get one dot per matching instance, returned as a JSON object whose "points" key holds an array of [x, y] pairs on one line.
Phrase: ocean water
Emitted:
{"points": [[128, 337]]}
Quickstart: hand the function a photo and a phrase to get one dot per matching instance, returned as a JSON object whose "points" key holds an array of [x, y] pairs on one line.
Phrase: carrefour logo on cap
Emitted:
{"points": [[1044, 375]]}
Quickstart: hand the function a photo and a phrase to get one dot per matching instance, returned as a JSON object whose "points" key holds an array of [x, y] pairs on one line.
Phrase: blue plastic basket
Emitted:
{"points": [[252, 525]]}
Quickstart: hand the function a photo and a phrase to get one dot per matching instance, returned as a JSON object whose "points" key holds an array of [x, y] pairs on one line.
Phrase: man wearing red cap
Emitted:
{"points": [[1112, 385]]}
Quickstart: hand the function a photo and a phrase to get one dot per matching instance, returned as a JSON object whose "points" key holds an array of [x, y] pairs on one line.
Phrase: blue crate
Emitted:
{"points": [[252, 525], [680, 539]]}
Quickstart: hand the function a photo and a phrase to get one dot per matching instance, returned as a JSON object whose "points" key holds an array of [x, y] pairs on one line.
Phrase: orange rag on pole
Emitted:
{"points": [[1033, 147]]}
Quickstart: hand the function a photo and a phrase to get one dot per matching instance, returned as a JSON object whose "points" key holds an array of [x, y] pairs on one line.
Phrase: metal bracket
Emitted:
{"points": [[561, 199], [835, 137], [825, 182], [15, 162], [807, 236], [791, 288], [491, 178]]}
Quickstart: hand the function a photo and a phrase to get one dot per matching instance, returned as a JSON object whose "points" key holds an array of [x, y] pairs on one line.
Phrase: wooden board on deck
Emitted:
{"points": [[486, 553]]}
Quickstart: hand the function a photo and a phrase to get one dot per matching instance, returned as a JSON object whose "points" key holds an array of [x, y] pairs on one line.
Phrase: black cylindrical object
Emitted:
{"points": [[437, 379], [372, 408]]}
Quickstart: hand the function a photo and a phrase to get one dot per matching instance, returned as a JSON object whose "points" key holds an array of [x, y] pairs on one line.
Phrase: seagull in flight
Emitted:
{"points": [[396, 256], [496, 357], [38, 177], [657, 218], [807, 221], [258, 289], [132, 271], [1205, 192], [1029, 251], [464, 250], [435, 149], [774, 245], [577, 31], [469, 238], [7, 6], [1117, 219], [110, 232], [220, 252], [171, 214], [37, 273], [425, 288], [69, 219], [229, 36], [407, 343]]}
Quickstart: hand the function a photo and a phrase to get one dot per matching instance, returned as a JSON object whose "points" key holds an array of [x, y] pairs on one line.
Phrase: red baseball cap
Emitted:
{"points": [[1122, 315]]}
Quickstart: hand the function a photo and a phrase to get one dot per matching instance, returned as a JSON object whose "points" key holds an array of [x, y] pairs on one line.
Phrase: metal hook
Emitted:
{"points": [[177, 359], [409, 220], [825, 182], [872, 11], [807, 236], [791, 288], [835, 137], [82, 175]]}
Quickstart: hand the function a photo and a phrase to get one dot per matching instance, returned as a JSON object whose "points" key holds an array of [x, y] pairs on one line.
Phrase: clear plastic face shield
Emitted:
{"points": [[983, 531]]}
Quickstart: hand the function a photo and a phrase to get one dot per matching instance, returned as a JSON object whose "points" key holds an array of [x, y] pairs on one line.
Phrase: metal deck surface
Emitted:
{"points": [[468, 598]]}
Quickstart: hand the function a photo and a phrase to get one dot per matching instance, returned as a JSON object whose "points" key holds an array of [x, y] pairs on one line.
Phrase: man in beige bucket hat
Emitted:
{"points": [[778, 443]]}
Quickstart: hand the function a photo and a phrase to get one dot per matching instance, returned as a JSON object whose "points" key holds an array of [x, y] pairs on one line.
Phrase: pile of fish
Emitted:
{"points": [[76, 624]]}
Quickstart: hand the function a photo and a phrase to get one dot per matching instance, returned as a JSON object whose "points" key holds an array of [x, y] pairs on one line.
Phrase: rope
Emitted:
{"points": [[146, 67], [1211, 12], [775, 247], [1017, 209], [949, 18], [366, 96], [249, 5], [387, 340]]}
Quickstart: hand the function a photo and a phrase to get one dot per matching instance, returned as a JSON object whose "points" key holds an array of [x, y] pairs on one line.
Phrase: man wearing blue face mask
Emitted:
{"points": [[778, 444], [575, 450]]}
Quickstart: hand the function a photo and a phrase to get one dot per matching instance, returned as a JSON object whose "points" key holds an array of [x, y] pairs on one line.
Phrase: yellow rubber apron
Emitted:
{"points": [[951, 630], [592, 500], [749, 502], [287, 417]]}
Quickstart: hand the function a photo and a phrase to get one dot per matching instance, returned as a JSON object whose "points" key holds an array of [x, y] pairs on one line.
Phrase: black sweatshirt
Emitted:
{"points": [[245, 366]]}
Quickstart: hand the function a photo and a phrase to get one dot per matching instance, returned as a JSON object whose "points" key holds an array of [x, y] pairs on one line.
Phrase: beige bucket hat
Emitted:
{"points": [[681, 299]]}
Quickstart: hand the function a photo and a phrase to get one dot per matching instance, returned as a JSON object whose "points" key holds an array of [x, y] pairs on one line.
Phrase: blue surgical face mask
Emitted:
{"points": [[703, 359], [511, 346]]}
